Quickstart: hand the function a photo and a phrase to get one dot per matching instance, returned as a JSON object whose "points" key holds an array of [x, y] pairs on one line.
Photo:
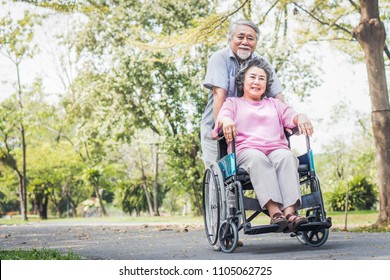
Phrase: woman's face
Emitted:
{"points": [[255, 83]]}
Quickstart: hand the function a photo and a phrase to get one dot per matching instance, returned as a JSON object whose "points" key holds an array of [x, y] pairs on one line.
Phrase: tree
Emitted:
{"points": [[94, 177], [16, 44], [371, 35], [54, 175]]}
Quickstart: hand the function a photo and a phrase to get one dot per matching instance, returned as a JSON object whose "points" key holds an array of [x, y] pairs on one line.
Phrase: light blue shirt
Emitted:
{"points": [[221, 72]]}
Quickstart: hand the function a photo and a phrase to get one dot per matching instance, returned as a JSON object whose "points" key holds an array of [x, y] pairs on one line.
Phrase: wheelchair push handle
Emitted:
{"points": [[294, 131], [221, 136]]}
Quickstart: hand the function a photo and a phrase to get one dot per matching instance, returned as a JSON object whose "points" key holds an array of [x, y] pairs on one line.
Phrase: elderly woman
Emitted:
{"points": [[258, 123]]}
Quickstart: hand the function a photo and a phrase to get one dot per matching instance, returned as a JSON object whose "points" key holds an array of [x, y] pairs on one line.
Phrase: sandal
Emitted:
{"points": [[296, 221], [279, 219]]}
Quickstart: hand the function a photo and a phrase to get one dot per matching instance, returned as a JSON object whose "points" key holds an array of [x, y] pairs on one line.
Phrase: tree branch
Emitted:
{"points": [[266, 14], [356, 6], [222, 19], [387, 52], [339, 27]]}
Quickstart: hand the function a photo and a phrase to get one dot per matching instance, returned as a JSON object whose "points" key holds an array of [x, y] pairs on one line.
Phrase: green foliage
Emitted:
{"points": [[16, 36], [55, 174], [362, 195], [186, 167], [37, 254], [9, 200], [7, 203], [132, 197]]}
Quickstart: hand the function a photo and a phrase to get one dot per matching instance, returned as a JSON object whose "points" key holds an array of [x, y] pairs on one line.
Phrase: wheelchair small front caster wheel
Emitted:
{"points": [[228, 236], [315, 238]]}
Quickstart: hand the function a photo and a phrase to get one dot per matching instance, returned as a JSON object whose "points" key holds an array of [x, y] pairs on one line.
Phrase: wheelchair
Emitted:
{"points": [[228, 209]]}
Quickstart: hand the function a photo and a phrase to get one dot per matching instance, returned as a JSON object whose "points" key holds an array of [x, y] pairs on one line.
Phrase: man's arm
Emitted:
{"points": [[280, 96], [219, 98]]}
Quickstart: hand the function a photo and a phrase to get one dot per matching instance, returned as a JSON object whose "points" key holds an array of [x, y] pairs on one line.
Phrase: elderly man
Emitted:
{"points": [[221, 76]]}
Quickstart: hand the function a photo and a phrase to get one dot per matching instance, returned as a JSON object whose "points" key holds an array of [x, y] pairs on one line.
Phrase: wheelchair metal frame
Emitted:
{"points": [[232, 204]]}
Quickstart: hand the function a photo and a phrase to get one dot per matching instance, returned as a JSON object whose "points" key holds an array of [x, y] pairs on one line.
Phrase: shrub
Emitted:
{"points": [[362, 195]]}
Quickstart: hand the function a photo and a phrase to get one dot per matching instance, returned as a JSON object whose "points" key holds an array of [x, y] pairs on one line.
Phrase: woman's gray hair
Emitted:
{"points": [[234, 25], [244, 67]]}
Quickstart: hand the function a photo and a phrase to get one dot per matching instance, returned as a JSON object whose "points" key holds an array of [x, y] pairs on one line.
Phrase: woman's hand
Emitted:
{"points": [[304, 125], [229, 129]]}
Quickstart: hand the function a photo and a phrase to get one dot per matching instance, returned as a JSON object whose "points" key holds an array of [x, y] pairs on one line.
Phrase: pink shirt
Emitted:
{"points": [[260, 124]]}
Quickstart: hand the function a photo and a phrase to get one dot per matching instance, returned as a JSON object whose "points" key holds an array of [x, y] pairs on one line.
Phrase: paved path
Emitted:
{"points": [[110, 241]]}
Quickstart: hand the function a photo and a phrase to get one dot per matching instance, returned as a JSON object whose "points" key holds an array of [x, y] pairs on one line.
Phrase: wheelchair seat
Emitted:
{"points": [[244, 178]]}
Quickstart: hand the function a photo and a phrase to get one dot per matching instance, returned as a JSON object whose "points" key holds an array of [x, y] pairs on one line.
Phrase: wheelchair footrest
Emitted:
{"points": [[314, 226], [260, 229]]}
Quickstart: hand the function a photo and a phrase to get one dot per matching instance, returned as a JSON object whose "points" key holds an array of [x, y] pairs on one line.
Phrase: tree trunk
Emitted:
{"points": [[99, 197], [74, 206], [155, 181], [24, 170], [371, 35], [43, 208], [148, 200], [22, 195], [195, 186], [23, 178], [145, 183]]}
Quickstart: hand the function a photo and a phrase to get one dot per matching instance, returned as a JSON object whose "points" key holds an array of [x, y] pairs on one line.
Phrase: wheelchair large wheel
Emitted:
{"points": [[314, 238], [228, 236], [214, 202]]}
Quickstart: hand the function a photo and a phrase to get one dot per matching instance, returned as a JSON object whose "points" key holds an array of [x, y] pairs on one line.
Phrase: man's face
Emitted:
{"points": [[243, 42]]}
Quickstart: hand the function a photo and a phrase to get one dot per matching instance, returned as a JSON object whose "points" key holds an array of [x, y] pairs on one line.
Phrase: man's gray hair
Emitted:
{"points": [[249, 23]]}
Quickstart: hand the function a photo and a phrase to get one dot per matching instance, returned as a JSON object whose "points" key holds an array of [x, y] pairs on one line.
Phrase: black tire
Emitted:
{"points": [[315, 238], [214, 208], [228, 236]]}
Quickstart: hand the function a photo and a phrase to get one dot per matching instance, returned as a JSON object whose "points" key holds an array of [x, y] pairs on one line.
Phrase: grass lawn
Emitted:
{"points": [[37, 254]]}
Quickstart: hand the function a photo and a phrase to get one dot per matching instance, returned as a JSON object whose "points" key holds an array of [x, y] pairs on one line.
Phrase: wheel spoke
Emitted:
{"points": [[315, 238], [228, 236]]}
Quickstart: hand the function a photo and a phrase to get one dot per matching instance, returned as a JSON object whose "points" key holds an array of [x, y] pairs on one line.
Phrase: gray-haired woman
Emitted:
{"points": [[257, 124]]}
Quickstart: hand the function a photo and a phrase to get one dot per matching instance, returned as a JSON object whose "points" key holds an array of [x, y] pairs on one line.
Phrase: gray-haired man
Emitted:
{"points": [[221, 77]]}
